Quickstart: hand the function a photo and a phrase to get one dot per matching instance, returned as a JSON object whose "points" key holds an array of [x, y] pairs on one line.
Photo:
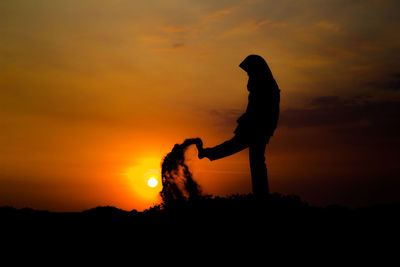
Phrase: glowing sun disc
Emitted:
{"points": [[152, 182]]}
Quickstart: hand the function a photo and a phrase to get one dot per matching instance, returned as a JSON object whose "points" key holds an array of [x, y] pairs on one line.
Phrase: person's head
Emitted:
{"points": [[255, 65], [258, 71]]}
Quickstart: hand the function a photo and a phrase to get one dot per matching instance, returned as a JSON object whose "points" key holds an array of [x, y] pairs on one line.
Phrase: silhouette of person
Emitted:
{"points": [[255, 126]]}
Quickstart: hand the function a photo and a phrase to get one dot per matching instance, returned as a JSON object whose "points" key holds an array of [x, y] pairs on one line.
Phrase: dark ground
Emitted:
{"points": [[239, 222], [209, 212]]}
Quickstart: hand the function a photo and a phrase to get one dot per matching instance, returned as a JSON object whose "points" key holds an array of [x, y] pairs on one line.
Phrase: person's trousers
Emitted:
{"points": [[258, 168]]}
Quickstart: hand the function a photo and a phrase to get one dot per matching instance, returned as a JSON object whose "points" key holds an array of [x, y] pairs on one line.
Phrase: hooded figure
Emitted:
{"points": [[255, 126], [262, 113]]}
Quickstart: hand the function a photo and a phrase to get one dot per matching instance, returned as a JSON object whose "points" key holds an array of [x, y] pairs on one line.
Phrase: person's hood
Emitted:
{"points": [[254, 64]]}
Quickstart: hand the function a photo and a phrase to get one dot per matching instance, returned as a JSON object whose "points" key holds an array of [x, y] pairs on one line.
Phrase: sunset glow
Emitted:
{"points": [[143, 179]]}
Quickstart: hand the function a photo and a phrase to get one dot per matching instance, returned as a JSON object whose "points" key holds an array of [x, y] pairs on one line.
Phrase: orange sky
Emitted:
{"points": [[94, 93]]}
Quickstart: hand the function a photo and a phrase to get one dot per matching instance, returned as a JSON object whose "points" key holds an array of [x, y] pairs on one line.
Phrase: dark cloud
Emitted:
{"points": [[358, 112], [178, 45], [324, 101], [357, 115], [390, 82]]}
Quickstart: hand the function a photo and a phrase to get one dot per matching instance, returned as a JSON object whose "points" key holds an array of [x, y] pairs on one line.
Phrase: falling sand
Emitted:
{"points": [[177, 180]]}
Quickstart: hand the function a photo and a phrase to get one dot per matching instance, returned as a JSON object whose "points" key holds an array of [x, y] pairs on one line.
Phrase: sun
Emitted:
{"points": [[152, 182], [144, 179]]}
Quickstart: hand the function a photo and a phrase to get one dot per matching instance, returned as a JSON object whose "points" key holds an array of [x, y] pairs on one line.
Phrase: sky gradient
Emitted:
{"points": [[93, 94]]}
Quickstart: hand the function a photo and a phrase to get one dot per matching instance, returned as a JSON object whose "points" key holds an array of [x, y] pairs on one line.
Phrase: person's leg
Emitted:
{"points": [[225, 149], [258, 167]]}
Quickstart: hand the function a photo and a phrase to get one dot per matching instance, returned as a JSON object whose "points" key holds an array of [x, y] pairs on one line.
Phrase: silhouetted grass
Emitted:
{"points": [[275, 208]]}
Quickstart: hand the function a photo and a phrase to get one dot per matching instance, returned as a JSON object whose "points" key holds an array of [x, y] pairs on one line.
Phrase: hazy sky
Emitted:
{"points": [[94, 93]]}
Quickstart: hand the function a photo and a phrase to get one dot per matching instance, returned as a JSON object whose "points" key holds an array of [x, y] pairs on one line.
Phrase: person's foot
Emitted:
{"points": [[200, 149], [204, 153]]}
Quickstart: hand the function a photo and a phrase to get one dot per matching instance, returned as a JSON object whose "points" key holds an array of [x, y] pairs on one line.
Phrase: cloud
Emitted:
{"points": [[251, 26], [329, 26], [174, 29], [225, 117], [387, 82], [325, 101], [170, 48], [219, 14], [178, 45], [379, 117], [361, 115]]}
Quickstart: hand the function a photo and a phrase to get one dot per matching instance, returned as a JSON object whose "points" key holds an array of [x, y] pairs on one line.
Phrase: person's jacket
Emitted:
{"points": [[262, 113]]}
